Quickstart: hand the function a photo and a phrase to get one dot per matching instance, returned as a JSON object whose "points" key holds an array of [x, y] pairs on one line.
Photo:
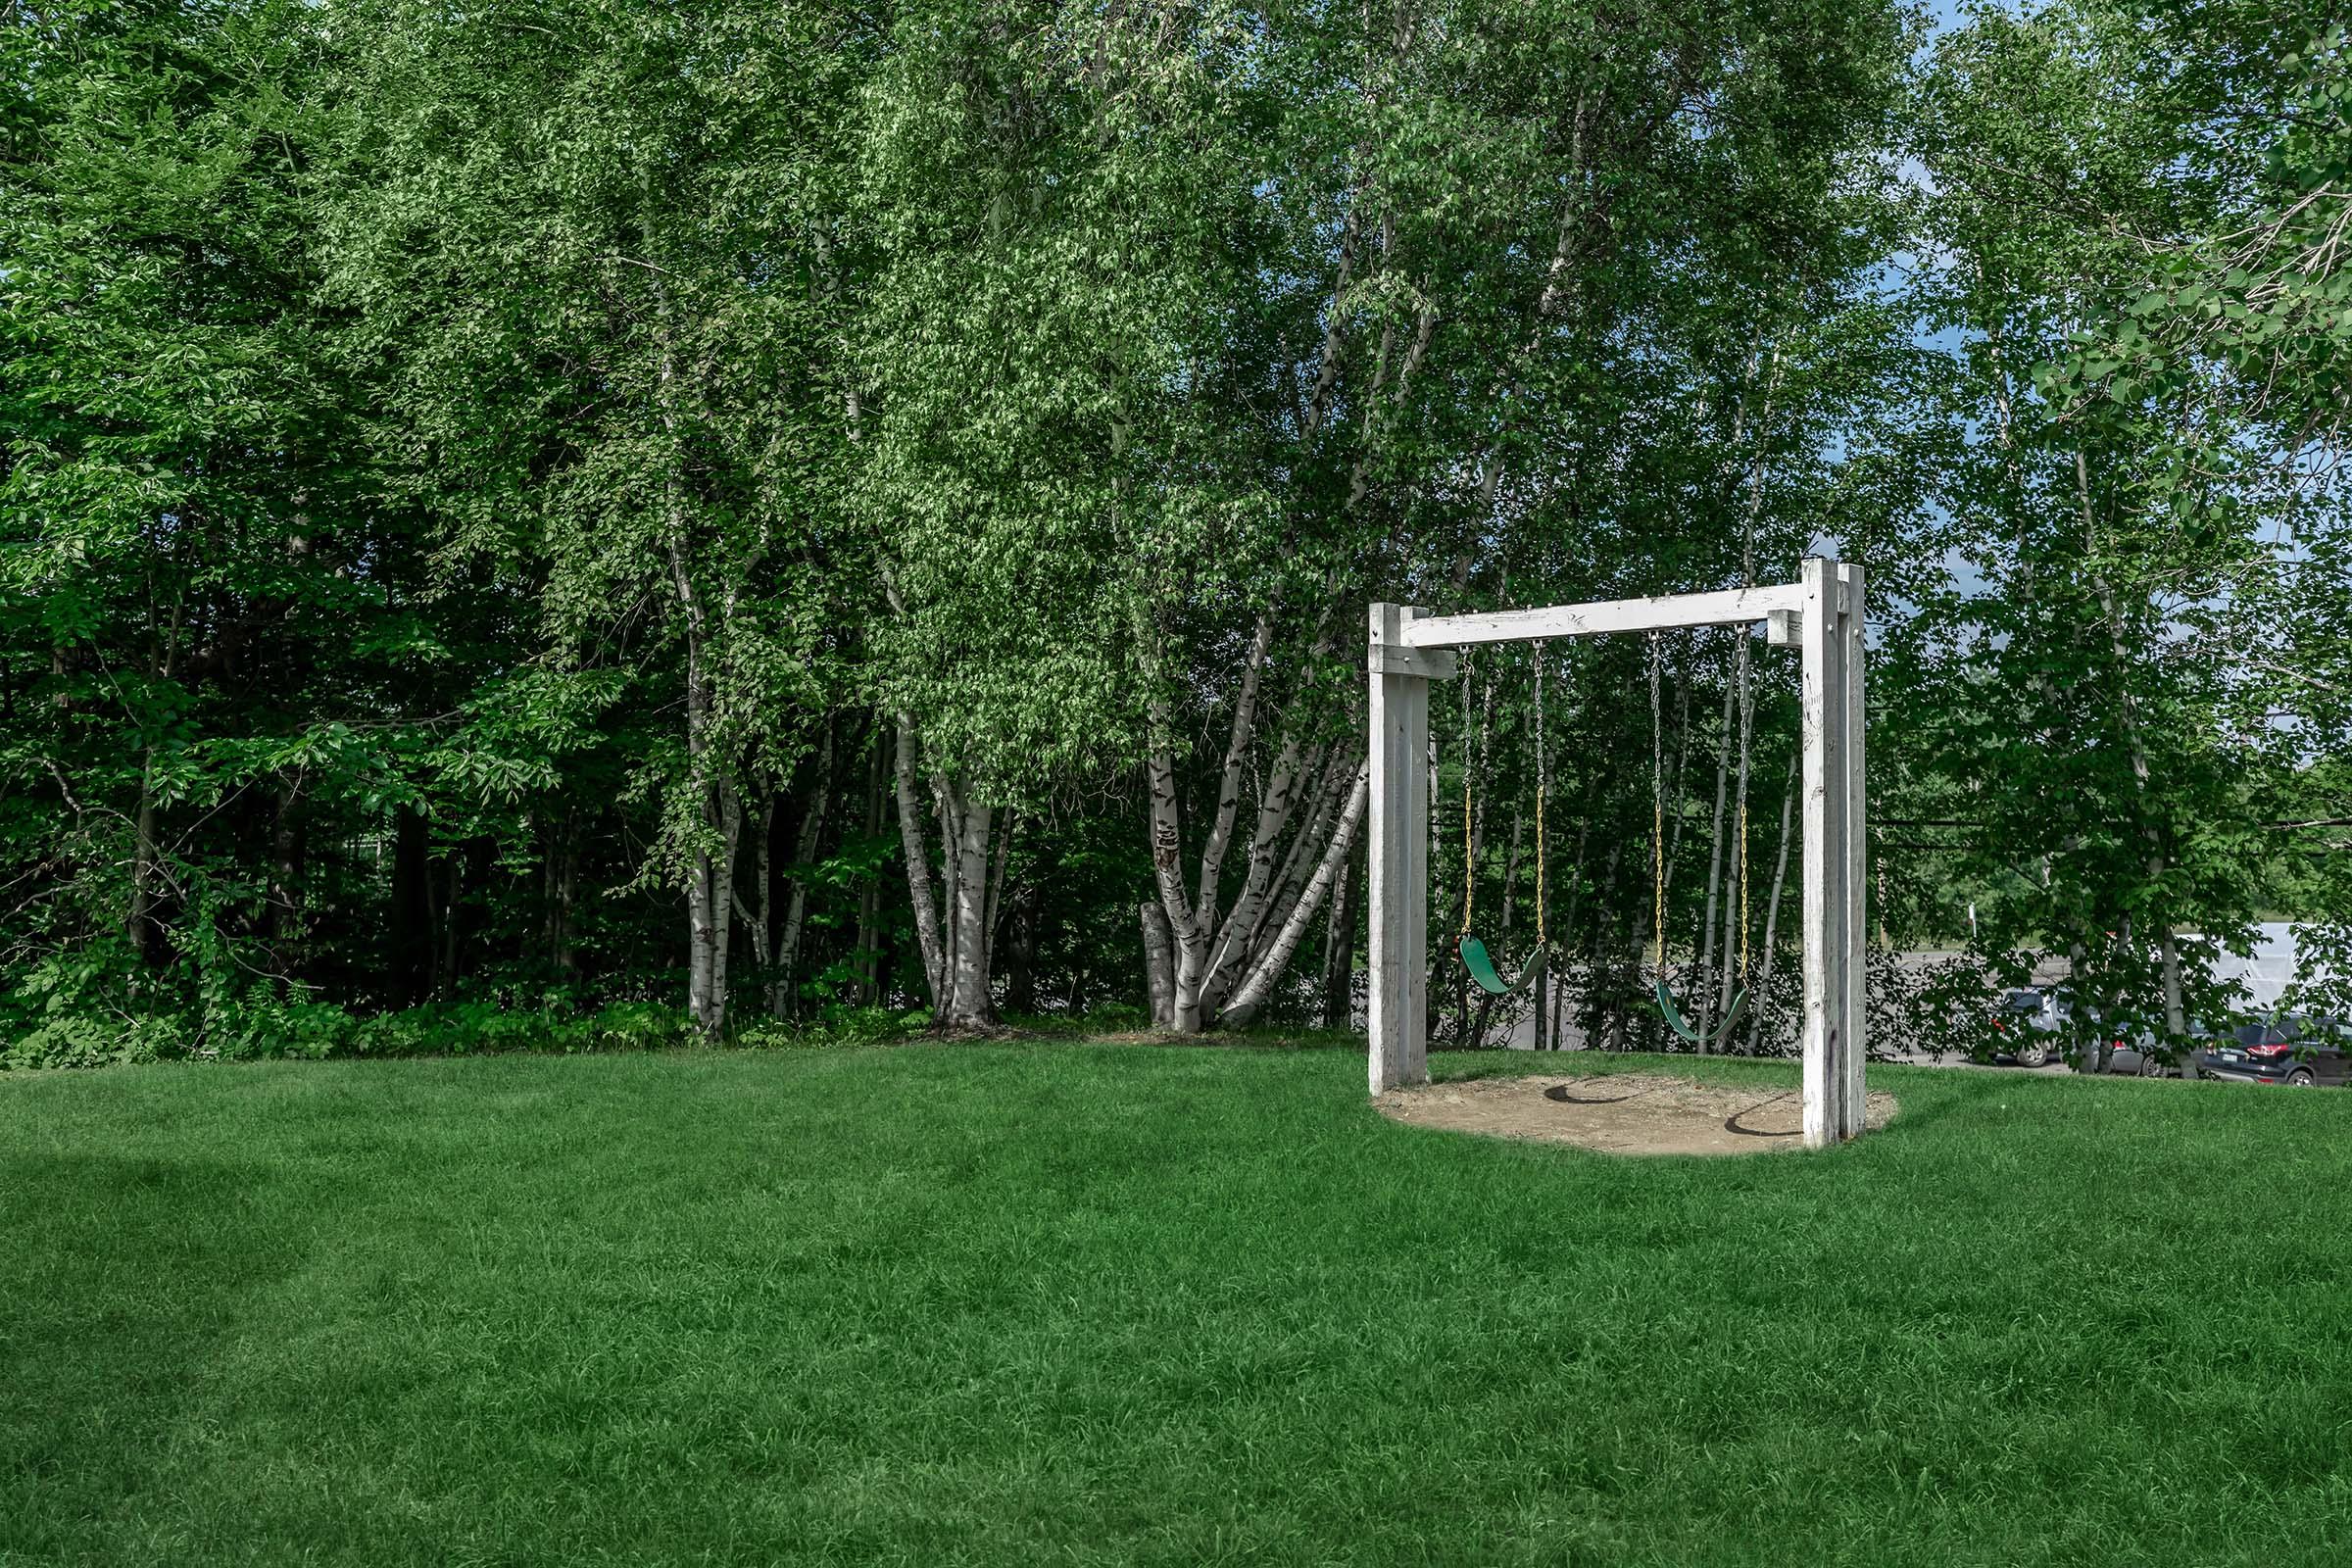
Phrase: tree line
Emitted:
{"points": [[801, 511]]}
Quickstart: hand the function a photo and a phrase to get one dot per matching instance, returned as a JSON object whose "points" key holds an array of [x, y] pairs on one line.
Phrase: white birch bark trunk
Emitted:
{"points": [[917, 856], [1735, 891], [1160, 964], [1705, 991], [1771, 912], [1188, 945], [968, 1004], [1252, 997], [718, 812], [758, 919], [709, 782]]}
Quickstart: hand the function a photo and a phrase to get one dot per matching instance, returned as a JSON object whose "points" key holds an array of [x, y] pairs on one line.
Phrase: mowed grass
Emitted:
{"points": [[1068, 1303]]}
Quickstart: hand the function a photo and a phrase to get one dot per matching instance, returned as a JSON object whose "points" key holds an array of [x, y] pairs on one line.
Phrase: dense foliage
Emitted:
{"points": [[807, 512]]}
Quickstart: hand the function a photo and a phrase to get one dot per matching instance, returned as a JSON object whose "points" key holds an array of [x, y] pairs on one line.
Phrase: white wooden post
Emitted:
{"points": [[1821, 639], [1857, 854], [1399, 848]]}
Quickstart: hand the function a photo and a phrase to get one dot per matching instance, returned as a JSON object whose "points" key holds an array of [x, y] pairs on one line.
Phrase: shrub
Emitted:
{"points": [[1937, 1007], [52, 1023], [1116, 1016]]}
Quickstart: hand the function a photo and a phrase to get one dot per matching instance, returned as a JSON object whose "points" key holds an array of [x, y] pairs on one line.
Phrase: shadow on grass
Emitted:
{"points": [[1965, 1091]]}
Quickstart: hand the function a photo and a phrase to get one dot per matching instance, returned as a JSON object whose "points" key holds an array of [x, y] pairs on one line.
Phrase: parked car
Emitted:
{"points": [[2288, 1048], [2136, 1053], [2024, 1025], [2033, 1024]]}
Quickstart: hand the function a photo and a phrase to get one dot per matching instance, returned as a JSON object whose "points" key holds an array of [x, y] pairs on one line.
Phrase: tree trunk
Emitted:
{"points": [[2175, 1022], [445, 928], [711, 878], [1252, 997], [140, 925], [1218, 961], [1339, 948], [955, 928], [966, 1002], [1269, 896], [1705, 991], [2175, 1010], [1736, 893], [412, 929], [917, 858], [758, 916], [785, 959], [1160, 964], [869, 897], [709, 780], [1771, 914], [1188, 944]]}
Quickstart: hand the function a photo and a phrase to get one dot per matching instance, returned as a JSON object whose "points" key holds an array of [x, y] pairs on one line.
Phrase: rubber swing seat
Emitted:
{"points": [[1682, 1025], [1490, 979]]}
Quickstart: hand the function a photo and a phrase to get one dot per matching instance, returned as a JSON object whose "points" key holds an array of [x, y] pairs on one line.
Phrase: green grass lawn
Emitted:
{"points": [[1060, 1304]]}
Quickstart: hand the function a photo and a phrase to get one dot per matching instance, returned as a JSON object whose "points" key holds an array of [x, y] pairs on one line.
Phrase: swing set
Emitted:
{"points": [[1821, 616], [1480, 963]]}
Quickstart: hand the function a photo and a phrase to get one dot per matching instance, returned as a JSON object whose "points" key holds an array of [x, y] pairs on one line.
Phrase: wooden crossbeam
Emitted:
{"points": [[1730, 607]]}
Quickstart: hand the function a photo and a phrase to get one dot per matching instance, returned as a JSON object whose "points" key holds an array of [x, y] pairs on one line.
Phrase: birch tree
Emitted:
{"points": [[592, 223], [1499, 189], [1052, 197]]}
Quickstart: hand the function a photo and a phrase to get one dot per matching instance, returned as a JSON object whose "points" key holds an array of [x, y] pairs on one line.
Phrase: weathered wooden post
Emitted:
{"points": [[1399, 846], [1821, 643], [1855, 889]]}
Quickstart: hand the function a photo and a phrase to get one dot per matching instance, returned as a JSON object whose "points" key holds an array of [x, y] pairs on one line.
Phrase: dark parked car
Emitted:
{"points": [[2287, 1048]]}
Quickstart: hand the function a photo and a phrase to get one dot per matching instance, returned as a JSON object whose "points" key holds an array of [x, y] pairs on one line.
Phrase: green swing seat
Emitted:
{"points": [[1683, 1026], [1490, 979]]}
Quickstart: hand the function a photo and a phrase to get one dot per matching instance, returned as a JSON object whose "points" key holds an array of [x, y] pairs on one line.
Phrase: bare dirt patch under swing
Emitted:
{"points": [[1619, 1114]]}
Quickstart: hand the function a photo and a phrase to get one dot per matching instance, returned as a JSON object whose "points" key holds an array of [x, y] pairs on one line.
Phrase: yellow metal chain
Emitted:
{"points": [[1657, 815], [1657, 880], [1744, 889], [1469, 870], [1541, 782]]}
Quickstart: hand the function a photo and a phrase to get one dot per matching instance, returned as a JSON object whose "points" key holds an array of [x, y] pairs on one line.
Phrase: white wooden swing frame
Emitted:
{"points": [[1821, 614]]}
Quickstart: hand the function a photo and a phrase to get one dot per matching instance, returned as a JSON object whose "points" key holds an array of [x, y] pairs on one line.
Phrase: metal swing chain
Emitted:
{"points": [[1469, 876], [1747, 730], [1541, 785], [1657, 815]]}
